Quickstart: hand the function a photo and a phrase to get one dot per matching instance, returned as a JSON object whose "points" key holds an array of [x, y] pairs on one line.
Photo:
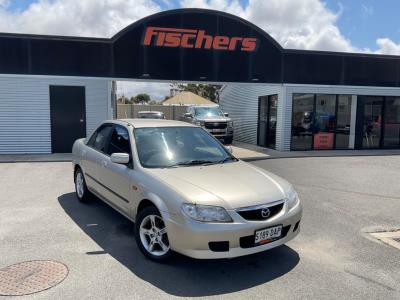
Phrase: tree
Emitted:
{"points": [[208, 91], [142, 98]]}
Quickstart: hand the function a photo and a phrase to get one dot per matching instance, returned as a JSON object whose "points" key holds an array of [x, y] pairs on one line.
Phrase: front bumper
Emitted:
{"points": [[221, 134], [192, 238]]}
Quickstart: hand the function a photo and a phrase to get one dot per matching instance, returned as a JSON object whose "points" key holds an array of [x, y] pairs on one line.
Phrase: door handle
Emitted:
{"points": [[104, 163]]}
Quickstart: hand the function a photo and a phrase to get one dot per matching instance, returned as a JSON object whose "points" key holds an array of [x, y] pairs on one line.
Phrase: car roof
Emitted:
{"points": [[141, 123]]}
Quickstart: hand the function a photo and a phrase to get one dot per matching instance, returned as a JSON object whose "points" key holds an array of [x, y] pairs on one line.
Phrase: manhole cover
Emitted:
{"points": [[389, 237], [31, 277]]}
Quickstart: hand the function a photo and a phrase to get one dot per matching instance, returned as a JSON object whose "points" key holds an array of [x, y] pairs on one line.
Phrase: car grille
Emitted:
{"points": [[257, 215], [215, 125], [248, 241]]}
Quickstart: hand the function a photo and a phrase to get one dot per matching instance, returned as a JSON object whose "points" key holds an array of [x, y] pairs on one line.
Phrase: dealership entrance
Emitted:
{"points": [[280, 98]]}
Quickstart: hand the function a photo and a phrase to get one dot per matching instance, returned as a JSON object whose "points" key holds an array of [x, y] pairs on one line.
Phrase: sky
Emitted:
{"points": [[370, 26]]}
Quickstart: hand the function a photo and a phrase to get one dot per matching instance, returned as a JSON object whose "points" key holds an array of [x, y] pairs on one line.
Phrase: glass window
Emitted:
{"points": [[210, 111], [392, 122], [163, 147], [325, 121], [101, 139], [343, 122], [372, 122], [302, 121], [119, 142]]}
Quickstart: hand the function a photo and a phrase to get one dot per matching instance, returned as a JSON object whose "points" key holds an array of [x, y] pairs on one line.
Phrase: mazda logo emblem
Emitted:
{"points": [[265, 213]]}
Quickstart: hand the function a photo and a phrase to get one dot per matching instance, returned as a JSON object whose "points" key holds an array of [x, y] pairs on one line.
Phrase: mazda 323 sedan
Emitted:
{"points": [[184, 190]]}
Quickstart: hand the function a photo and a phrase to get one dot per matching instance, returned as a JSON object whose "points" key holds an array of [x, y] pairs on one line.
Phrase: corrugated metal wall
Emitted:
{"points": [[241, 102], [25, 110]]}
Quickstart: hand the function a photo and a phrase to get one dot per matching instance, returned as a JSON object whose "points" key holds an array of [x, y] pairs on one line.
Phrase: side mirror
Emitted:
{"points": [[229, 148], [120, 158], [226, 114], [188, 115]]}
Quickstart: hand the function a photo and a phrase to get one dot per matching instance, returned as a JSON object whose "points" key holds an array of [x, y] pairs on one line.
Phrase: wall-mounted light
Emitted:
{"points": [[254, 79], [203, 77], [145, 75]]}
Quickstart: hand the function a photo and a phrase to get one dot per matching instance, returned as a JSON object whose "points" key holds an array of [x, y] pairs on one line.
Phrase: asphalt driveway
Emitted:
{"points": [[332, 258]]}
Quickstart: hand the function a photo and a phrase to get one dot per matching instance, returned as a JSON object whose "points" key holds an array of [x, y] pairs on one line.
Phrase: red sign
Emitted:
{"points": [[323, 141], [197, 39]]}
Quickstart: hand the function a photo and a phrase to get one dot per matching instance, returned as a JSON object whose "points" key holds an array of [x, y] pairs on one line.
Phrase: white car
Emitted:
{"points": [[184, 190]]}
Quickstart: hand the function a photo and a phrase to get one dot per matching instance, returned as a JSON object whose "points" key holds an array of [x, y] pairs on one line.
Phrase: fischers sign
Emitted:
{"points": [[197, 39]]}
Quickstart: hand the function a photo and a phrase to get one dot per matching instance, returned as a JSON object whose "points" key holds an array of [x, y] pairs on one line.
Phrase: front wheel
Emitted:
{"points": [[151, 234]]}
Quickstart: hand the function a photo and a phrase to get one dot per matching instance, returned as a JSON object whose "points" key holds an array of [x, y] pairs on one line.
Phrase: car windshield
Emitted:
{"points": [[164, 147], [208, 112], [150, 115]]}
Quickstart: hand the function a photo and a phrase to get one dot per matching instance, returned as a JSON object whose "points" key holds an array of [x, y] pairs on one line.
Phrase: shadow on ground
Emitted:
{"points": [[182, 276]]}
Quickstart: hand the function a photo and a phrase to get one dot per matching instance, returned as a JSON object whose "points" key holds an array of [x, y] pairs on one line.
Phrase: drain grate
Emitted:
{"points": [[391, 238], [31, 277]]}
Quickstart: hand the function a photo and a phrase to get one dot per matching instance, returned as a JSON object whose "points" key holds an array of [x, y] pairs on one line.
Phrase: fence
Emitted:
{"points": [[171, 112]]}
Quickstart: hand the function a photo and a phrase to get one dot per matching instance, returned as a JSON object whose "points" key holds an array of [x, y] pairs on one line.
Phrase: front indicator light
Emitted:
{"points": [[292, 198]]}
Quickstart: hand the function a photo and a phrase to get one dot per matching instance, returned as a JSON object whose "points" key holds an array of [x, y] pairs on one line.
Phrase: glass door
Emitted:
{"points": [[267, 116], [391, 137], [272, 116], [372, 122]]}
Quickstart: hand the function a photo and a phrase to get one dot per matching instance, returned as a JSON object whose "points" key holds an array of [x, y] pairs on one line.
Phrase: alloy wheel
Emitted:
{"points": [[80, 189], [153, 235]]}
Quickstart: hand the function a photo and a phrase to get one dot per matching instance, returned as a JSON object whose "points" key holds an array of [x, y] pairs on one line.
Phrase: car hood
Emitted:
{"points": [[230, 185]]}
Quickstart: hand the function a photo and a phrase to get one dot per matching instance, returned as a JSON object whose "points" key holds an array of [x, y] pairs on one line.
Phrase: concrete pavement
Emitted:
{"points": [[332, 258]]}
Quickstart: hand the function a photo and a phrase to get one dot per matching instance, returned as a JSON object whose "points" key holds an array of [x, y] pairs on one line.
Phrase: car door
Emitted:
{"points": [[93, 154], [116, 178]]}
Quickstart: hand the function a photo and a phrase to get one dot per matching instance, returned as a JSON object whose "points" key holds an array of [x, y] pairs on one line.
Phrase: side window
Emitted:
{"points": [[119, 142], [92, 138], [101, 138]]}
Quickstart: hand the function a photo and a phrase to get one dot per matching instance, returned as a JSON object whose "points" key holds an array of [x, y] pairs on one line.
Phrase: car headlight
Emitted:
{"points": [[206, 213], [292, 198], [199, 123], [230, 123]]}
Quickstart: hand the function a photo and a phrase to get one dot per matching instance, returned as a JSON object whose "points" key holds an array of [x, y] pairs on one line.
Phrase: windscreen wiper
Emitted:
{"points": [[227, 159], [193, 162]]}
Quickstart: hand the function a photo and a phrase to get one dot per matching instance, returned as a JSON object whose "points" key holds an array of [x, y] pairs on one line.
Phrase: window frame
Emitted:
{"points": [[94, 135], [129, 140]]}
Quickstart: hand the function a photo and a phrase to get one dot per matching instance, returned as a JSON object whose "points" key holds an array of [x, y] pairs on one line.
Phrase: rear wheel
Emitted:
{"points": [[151, 234], [82, 193]]}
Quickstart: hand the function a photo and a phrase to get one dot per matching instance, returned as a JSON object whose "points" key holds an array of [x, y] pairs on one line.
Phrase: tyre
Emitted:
{"points": [[81, 190], [228, 140], [151, 234]]}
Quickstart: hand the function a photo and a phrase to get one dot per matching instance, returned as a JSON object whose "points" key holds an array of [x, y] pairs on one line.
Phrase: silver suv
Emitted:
{"points": [[212, 119]]}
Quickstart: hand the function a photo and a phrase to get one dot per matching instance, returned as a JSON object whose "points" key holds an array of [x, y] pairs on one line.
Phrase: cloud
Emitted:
{"points": [[305, 24], [156, 90], [300, 24], [95, 18], [387, 46], [297, 24], [367, 10]]}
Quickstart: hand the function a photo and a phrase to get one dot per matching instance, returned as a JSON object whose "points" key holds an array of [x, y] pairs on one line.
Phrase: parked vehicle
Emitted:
{"points": [[184, 190], [211, 118], [151, 115]]}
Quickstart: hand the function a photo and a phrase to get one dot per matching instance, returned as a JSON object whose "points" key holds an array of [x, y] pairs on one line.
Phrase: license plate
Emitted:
{"points": [[217, 130], [267, 235]]}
